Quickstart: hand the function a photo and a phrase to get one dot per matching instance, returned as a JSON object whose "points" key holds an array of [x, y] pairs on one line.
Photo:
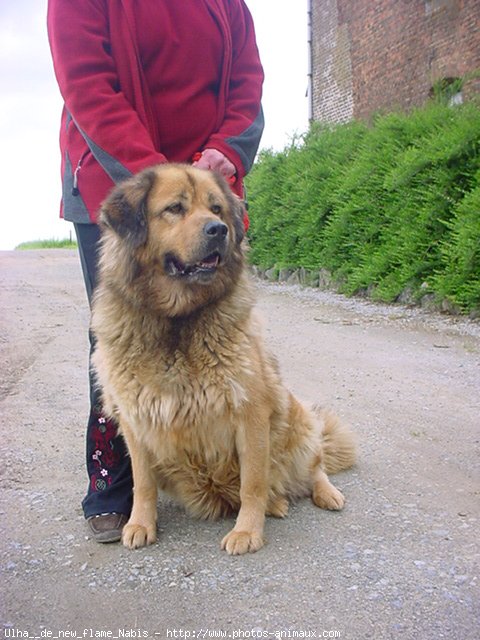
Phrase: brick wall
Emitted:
{"points": [[380, 55], [331, 64]]}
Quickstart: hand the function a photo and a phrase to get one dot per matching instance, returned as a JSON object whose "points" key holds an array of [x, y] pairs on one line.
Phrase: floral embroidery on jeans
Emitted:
{"points": [[103, 434]]}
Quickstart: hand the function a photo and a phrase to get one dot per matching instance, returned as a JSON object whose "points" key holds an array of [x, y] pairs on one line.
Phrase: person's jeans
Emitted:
{"points": [[110, 487]]}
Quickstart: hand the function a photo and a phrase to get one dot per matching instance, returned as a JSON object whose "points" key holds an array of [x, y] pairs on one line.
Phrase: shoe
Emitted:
{"points": [[107, 527]]}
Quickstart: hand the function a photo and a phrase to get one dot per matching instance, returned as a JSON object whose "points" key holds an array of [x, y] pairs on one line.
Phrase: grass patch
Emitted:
{"points": [[66, 243]]}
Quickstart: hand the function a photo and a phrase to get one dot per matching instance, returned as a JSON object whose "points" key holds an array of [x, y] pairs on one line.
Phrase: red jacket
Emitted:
{"points": [[133, 102]]}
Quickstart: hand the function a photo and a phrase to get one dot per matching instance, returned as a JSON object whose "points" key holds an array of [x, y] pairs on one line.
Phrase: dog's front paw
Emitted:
{"points": [[237, 543], [135, 536]]}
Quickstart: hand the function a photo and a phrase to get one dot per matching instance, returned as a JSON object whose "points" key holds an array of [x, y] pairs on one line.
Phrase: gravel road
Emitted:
{"points": [[401, 561]]}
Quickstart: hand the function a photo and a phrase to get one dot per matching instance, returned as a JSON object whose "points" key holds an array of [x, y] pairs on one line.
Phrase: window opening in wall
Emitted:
{"points": [[448, 91], [432, 6]]}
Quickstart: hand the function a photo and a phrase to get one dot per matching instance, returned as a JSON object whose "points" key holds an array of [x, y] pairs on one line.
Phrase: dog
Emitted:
{"points": [[184, 371]]}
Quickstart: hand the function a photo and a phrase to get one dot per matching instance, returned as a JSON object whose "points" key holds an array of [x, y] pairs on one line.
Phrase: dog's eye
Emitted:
{"points": [[216, 209], [176, 207]]}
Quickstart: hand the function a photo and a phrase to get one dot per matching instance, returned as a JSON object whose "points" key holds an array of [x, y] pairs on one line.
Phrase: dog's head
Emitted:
{"points": [[172, 238]]}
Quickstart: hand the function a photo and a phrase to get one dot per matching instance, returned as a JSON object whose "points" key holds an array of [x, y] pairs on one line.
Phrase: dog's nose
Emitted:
{"points": [[215, 229]]}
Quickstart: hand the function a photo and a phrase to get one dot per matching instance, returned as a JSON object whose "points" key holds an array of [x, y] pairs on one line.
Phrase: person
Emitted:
{"points": [[145, 82]]}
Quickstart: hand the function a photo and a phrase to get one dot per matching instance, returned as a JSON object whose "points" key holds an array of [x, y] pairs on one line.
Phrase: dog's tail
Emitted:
{"points": [[338, 444]]}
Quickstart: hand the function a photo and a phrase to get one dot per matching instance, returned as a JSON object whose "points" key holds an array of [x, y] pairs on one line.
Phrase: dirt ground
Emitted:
{"points": [[401, 561]]}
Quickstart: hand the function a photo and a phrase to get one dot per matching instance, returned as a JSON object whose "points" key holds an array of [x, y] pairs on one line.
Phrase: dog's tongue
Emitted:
{"points": [[176, 267], [210, 261]]}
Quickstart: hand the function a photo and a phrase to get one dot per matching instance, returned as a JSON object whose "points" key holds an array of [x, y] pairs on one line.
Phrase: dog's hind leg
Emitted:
{"points": [[277, 507], [336, 452], [141, 529], [324, 494]]}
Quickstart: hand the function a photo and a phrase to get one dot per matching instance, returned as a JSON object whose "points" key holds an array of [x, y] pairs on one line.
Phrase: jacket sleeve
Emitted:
{"points": [[238, 136], [88, 81]]}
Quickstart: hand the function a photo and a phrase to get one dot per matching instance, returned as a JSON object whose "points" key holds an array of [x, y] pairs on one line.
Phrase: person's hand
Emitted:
{"points": [[215, 161]]}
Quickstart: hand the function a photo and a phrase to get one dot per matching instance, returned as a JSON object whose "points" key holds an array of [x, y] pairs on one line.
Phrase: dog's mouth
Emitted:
{"points": [[207, 266]]}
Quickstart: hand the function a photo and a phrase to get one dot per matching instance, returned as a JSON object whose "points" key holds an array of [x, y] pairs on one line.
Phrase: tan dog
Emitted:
{"points": [[185, 372]]}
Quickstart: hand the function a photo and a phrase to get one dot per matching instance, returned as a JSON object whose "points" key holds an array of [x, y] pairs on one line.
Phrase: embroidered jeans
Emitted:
{"points": [[108, 465]]}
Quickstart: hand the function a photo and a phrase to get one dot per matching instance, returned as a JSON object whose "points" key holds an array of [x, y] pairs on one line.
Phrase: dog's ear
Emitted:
{"points": [[236, 206], [124, 211]]}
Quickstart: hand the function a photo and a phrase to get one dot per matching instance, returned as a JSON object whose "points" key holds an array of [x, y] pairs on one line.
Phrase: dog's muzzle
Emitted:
{"points": [[212, 252]]}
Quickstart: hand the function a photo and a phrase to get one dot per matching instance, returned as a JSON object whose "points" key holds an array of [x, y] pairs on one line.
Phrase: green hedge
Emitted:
{"points": [[384, 208]]}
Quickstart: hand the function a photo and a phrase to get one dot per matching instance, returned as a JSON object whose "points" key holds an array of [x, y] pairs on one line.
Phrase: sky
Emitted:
{"points": [[30, 108]]}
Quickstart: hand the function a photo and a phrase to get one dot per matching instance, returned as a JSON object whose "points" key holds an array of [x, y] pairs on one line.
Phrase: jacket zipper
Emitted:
{"points": [[75, 190]]}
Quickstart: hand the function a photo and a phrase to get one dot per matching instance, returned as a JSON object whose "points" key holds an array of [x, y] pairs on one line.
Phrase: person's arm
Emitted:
{"points": [[239, 135], [88, 81]]}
